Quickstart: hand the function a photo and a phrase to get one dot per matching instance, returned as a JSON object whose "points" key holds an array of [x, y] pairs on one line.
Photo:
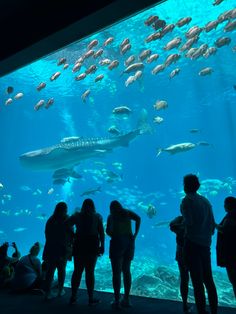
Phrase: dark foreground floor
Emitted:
{"points": [[35, 304]]}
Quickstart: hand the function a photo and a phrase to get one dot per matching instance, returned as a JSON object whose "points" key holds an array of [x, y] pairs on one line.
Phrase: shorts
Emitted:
{"points": [[122, 246]]}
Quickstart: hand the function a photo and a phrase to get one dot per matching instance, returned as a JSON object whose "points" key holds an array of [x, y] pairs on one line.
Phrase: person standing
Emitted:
{"points": [[177, 226], [199, 228], [226, 236], [57, 248], [121, 253], [88, 245]]}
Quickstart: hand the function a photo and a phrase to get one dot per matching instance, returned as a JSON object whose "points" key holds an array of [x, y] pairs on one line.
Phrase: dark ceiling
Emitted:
{"points": [[32, 29]]}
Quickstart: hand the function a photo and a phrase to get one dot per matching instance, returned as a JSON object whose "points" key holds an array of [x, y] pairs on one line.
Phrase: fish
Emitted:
{"points": [[55, 76], [211, 25], [98, 53], [108, 41], [125, 42], [88, 54], [177, 148], [174, 73], [152, 37], [159, 68], [202, 143], [158, 120], [184, 21], [92, 69], [152, 58], [217, 2], [10, 90], [80, 77], [85, 95], [18, 96], [121, 110], [160, 104], [39, 104], [41, 86], [194, 31], [231, 26], [113, 130], [114, 64], [210, 51], [99, 78], [25, 188], [125, 49], [173, 58], [222, 41], [159, 24], [49, 103], [174, 43], [65, 66], [167, 29], [144, 54], [77, 67], [61, 61], [20, 229], [130, 80], [91, 191], [129, 60], [50, 191], [8, 101], [194, 130], [189, 43], [162, 224], [205, 71], [104, 61], [1, 186], [70, 153], [92, 44], [152, 19]]}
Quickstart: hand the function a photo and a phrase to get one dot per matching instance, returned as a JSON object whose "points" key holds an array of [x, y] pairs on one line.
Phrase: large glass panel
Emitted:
{"points": [[167, 83]]}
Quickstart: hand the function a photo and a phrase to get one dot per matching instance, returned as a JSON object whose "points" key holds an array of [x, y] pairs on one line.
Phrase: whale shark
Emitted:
{"points": [[72, 150]]}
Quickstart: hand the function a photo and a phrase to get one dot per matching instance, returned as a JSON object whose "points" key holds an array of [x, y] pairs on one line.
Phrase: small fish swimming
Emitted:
{"points": [[206, 71], [85, 95], [160, 104], [121, 110], [41, 86], [177, 148], [20, 229], [91, 191], [9, 90], [18, 96]]}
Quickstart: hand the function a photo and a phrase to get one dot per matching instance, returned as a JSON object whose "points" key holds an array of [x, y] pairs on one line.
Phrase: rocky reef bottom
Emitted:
{"points": [[155, 280]]}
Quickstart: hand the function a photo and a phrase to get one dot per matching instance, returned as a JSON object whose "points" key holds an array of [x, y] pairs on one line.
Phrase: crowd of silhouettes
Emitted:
{"points": [[81, 237]]}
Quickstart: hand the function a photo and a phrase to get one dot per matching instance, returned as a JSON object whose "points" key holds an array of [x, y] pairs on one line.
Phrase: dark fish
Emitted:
{"points": [[61, 61], [9, 90], [152, 19], [159, 24], [91, 191], [234, 86]]}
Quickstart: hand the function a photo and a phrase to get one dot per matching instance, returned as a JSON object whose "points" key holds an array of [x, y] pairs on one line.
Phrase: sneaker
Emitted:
{"points": [[125, 303], [61, 293], [94, 301], [116, 305]]}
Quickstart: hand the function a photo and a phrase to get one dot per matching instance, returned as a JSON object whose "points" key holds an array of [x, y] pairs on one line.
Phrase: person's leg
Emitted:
{"points": [[49, 278], [231, 271], [61, 271], [208, 280], [76, 277], [184, 281], [116, 264], [126, 277], [194, 264], [89, 276]]}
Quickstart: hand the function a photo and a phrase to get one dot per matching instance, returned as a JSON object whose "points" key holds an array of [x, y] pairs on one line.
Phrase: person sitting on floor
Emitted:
{"points": [[28, 271], [7, 264]]}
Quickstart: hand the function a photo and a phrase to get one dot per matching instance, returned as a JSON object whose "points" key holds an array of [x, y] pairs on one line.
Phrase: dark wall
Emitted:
{"points": [[32, 29]]}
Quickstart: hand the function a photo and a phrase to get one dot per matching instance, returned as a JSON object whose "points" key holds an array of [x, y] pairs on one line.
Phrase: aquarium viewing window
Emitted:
{"points": [[124, 114]]}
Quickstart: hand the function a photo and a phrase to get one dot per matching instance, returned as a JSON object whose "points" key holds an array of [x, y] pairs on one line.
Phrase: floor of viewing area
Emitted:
{"points": [[35, 304]]}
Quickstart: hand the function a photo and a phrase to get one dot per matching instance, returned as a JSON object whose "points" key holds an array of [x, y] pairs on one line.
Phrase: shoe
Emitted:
{"points": [[125, 303], [94, 301], [61, 293], [72, 300], [116, 305]]}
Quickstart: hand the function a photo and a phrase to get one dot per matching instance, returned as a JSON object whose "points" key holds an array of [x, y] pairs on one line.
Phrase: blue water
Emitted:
{"points": [[206, 103]]}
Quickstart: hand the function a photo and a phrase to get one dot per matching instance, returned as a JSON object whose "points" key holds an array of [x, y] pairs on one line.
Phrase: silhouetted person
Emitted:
{"points": [[199, 223], [122, 245], [177, 226], [28, 271], [7, 263], [226, 237], [57, 248], [88, 245]]}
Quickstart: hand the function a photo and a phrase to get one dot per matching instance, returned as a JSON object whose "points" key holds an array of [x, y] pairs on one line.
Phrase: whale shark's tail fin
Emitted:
{"points": [[143, 124]]}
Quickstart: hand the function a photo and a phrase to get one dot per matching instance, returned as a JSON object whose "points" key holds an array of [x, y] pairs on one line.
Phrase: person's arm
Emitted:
{"points": [[16, 254], [185, 209], [177, 224], [71, 221], [101, 235], [137, 219], [109, 226]]}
